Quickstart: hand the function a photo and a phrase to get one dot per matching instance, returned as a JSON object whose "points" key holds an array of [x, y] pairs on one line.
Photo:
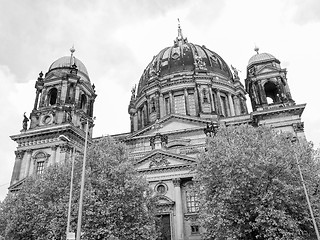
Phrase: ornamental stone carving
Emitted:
{"points": [[158, 161], [19, 154], [176, 182], [191, 217], [64, 148], [298, 127]]}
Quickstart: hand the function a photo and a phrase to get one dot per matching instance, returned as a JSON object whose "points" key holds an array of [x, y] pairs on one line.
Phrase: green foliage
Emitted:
{"points": [[251, 187], [117, 201]]}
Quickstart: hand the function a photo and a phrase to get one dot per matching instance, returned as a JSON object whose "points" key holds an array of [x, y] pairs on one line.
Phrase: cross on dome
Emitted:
{"points": [[180, 40]]}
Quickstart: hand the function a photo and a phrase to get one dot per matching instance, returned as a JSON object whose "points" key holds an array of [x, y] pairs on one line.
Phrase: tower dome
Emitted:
{"points": [[70, 62], [261, 58], [266, 82]]}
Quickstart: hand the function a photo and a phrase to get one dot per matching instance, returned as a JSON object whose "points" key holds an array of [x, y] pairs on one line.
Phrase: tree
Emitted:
{"points": [[117, 201], [250, 186]]}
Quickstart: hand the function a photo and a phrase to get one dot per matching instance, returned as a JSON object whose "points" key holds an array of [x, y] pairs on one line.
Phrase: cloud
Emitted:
{"points": [[204, 13], [15, 98], [305, 11], [38, 30]]}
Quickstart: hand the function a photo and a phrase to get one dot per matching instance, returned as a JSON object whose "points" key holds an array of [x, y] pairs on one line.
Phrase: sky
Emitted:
{"points": [[117, 39]]}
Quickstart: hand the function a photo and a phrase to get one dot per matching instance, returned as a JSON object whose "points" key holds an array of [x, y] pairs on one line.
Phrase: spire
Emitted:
{"points": [[72, 50]]}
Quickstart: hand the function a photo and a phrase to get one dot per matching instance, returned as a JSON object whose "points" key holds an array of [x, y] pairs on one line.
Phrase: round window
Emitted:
{"points": [[161, 189]]}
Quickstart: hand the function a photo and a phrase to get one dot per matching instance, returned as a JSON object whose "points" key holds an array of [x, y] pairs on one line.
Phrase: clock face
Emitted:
{"points": [[47, 119]]}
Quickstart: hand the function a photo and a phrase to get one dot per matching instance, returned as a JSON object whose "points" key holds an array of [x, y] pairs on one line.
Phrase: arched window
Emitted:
{"points": [[192, 200], [83, 102], [271, 91], [40, 161], [52, 96]]}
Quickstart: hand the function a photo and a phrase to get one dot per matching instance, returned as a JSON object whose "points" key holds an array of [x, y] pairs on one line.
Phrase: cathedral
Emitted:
{"points": [[183, 95]]}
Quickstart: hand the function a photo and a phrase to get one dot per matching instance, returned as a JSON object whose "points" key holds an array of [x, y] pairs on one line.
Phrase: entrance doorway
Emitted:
{"points": [[165, 227]]}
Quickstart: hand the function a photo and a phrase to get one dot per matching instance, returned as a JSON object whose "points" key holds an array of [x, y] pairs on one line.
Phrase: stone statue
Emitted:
{"points": [[25, 122], [133, 92], [235, 72]]}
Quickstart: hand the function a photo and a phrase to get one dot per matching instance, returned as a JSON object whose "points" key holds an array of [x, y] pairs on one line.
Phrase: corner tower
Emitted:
{"points": [[63, 103], [266, 82], [270, 96]]}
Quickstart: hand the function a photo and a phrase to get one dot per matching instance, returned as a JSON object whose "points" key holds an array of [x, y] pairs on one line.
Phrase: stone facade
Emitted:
{"points": [[184, 93]]}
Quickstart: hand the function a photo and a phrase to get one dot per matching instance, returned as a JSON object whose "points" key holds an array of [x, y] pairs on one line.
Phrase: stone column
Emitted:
{"points": [[161, 105], [179, 211], [262, 94], [36, 100], [43, 98], [139, 118], [186, 100], [135, 121], [76, 96], [231, 104], [197, 90], [158, 104], [171, 102], [147, 104], [28, 163], [17, 166], [237, 105], [64, 149], [59, 99], [211, 99]]}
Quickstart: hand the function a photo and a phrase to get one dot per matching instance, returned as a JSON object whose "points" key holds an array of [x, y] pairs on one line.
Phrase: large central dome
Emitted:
{"points": [[183, 57], [188, 80]]}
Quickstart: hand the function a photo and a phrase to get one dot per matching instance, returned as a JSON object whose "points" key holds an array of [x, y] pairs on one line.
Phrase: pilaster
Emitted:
{"points": [[17, 166], [54, 153], [28, 163]]}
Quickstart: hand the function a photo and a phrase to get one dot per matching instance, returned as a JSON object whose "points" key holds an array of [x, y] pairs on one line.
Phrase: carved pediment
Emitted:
{"points": [[160, 159], [164, 204], [163, 200]]}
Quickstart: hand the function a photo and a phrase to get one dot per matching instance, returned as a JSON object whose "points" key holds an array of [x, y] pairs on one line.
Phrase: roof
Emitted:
{"points": [[66, 61], [261, 57]]}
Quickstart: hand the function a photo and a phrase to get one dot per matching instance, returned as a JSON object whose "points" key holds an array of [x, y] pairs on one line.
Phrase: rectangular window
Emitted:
{"points": [[40, 167], [194, 229], [192, 105], [179, 105], [192, 202]]}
